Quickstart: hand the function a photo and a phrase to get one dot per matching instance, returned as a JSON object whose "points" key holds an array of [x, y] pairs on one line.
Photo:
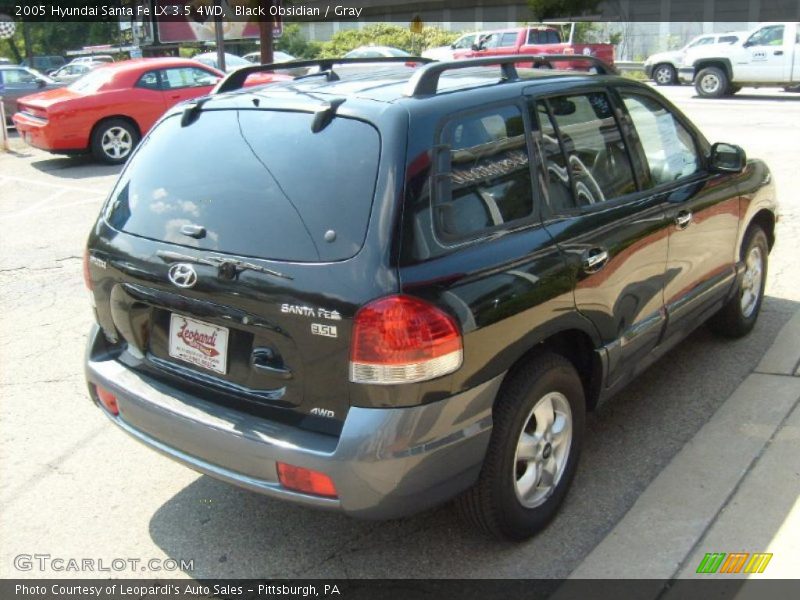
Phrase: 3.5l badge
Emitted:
{"points": [[324, 330]]}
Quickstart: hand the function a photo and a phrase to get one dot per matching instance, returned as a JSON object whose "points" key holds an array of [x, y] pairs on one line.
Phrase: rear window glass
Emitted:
{"points": [[260, 183]]}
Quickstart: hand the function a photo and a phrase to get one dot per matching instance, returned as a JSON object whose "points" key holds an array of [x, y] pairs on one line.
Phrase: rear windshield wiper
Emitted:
{"points": [[228, 267]]}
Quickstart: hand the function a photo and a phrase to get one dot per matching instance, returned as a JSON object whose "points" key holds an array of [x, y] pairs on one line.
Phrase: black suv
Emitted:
{"points": [[375, 288]]}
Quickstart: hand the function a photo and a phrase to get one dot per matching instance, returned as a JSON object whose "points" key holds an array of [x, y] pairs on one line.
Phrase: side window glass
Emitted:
{"points": [[533, 36], [487, 183], [669, 148], [553, 175], [186, 77], [552, 37], [508, 39], [767, 36], [148, 81], [596, 155]]}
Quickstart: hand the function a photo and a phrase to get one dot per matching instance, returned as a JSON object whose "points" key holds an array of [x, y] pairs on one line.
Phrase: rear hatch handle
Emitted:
{"points": [[228, 267]]}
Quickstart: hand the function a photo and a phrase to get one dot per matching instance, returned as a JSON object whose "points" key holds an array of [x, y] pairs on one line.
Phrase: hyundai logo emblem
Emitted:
{"points": [[182, 275]]}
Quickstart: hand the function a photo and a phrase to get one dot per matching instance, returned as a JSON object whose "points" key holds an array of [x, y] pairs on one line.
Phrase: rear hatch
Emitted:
{"points": [[227, 257]]}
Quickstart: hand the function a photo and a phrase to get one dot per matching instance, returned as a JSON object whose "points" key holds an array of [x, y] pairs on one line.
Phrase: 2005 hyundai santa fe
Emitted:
{"points": [[377, 288]]}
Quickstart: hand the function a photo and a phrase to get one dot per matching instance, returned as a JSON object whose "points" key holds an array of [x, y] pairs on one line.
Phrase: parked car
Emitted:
{"points": [[433, 312], [107, 111], [465, 42], [45, 64], [94, 58], [72, 71], [375, 52], [17, 81], [277, 56], [232, 62], [662, 67], [6, 61], [769, 56], [535, 39]]}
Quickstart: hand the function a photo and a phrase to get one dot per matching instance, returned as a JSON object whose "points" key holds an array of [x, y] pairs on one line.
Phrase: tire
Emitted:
{"points": [[739, 315], [795, 88], [711, 82], [113, 141], [734, 89], [498, 503], [664, 74]]}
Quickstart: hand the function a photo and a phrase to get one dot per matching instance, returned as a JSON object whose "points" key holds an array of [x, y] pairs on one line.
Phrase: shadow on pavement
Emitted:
{"points": [[233, 533], [783, 97], [80, 166]]}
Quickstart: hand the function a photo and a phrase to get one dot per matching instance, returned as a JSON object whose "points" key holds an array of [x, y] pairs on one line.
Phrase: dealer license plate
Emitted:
{"points": [[198, 343]]}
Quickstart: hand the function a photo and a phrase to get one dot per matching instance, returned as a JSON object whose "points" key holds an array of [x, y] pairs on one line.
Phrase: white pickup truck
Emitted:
{"points": [[768, 57]]}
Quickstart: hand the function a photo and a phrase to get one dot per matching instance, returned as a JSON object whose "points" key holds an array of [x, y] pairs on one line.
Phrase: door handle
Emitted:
{"points": [[778, 53], [594, 260], [263, 359], [683, 219]]}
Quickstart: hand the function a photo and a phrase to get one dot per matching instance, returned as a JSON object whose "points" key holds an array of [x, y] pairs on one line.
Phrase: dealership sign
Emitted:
{"points": [[194, 21]]}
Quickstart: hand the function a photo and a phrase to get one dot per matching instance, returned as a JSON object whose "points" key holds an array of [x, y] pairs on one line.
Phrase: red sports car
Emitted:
{"points": [[108, 110]]}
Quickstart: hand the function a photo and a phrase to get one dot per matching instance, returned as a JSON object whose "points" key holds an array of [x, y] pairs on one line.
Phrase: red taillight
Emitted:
{"points": [[108, 400], [87, 277], [401, 339], [305, 480]]}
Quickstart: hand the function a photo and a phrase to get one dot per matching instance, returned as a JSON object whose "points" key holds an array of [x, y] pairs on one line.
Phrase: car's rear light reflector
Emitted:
{"points": [[108, 400], [402, 339], [32, 111], [306, 481]]}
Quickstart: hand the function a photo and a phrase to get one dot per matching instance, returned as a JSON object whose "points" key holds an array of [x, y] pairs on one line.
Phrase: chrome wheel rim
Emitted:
{"points": [[710, 83], [116, 142], [751, 281], [663, 75], [542, 449]]}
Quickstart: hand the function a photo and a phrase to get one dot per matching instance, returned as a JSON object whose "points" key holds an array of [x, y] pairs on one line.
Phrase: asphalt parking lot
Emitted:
{"points": [[75, 487]]}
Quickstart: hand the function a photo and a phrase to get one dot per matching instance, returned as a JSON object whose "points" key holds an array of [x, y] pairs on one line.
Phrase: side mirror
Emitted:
{"points": [[41, 83], [476, 46], [727, 158]]}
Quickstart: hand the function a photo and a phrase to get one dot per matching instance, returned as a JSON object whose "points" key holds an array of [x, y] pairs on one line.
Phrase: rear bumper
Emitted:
{"points": [[386, 463], [686, 74], [42, 134]]}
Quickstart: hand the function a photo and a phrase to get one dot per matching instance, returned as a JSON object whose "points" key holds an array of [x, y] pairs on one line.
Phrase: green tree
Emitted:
{"points": [[555, 9], [56, 38], [385, 34], [293, 42]]}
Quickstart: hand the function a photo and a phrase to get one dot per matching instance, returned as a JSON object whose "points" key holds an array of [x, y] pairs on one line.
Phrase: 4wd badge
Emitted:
{"points": [[324, 330]]}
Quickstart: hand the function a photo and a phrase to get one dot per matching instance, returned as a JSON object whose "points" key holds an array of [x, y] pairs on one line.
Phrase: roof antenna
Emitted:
{"points": [[324, 115]]}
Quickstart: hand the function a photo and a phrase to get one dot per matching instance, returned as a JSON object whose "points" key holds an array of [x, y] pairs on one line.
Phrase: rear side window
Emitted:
{"points": [[487, 180], [596, 154], [149, 81], [260, 183]]}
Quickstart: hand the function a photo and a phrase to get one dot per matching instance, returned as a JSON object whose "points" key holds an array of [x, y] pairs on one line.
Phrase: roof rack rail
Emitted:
{"points": [[235, 80], [425, 81]]}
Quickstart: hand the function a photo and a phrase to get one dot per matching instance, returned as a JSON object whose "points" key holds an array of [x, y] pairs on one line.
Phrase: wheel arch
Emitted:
{"points": [[579, 347], [126, 118], [721, 63], [765, 219]]}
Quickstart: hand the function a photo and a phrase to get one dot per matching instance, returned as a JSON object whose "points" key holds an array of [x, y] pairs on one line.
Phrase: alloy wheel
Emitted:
{"points": [[542, 449]]}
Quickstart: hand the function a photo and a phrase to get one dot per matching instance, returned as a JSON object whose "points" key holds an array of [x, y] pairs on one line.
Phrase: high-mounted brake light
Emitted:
{"points": [[401, 339], [304, 480]]}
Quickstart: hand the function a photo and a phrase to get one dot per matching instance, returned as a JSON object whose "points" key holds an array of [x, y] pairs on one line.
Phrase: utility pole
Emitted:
{"points": [[220, 38], [265, 34]]}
